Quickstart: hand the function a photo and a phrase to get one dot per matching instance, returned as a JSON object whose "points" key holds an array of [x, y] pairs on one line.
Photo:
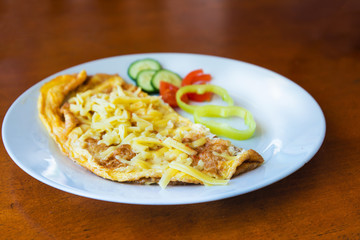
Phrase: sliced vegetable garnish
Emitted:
{"points": [[189, 78], [200, 97], [143, 80], [197, 77], [206, 97], [168, 93], [224, 129], [201, 89], [166, 76], [142, 64], [202, 77]]}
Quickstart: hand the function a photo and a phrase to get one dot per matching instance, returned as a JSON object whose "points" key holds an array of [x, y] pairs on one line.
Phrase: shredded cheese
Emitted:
{"points": [[166, 177], [153, 130], [180, 146], [206, 179]]}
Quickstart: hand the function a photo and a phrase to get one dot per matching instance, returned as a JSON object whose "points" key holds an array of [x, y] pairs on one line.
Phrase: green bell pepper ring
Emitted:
{"points": [[200, 89], [223, 129]]}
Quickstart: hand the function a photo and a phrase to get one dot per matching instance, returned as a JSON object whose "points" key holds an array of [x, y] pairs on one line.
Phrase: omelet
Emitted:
{"points": [[120, 133]]}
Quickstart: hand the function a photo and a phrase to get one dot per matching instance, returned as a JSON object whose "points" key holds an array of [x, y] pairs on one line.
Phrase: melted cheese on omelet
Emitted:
{"points": [[120, 133]]}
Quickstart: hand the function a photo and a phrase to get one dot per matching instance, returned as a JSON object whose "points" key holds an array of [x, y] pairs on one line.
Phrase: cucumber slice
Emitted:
{"points": [[143, 80], [166, 76], [142, 64]]}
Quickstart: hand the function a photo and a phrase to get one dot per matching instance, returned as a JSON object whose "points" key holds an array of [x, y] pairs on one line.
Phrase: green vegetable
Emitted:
{"points": [[143, 80], [224, 129], [200, 89], [143, 64], [166, 76], [220, 129]]}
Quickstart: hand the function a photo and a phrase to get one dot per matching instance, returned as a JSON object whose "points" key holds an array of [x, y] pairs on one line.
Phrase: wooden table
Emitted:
{"points": [[314, 43]]}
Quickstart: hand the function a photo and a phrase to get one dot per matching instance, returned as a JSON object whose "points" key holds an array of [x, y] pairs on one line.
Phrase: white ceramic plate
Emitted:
{"points": [[290, 130]]}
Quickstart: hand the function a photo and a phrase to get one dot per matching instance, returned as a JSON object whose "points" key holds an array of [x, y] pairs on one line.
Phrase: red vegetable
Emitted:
{"points": [[197, 77], [199, 97], [188, 80], [202, 77], [168, 94], [168, 90]]}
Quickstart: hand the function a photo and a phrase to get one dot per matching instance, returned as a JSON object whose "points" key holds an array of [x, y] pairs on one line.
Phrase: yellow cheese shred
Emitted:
{"points": [[154, 132], [166, 177], [197, 174], [180, 146], [198, 143]]}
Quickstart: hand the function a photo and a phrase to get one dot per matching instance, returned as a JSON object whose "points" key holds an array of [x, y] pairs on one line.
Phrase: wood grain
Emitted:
{"points": [[314, 43]]}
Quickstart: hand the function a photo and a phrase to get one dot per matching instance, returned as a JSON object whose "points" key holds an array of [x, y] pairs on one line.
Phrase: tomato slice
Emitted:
{"points": [[188, 79], [168, 90], [168, 94], [197, 77], [200, 97], [202, 77]]}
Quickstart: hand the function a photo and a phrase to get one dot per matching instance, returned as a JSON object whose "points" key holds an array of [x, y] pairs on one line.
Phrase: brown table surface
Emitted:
{"points": [[314, 43]]}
